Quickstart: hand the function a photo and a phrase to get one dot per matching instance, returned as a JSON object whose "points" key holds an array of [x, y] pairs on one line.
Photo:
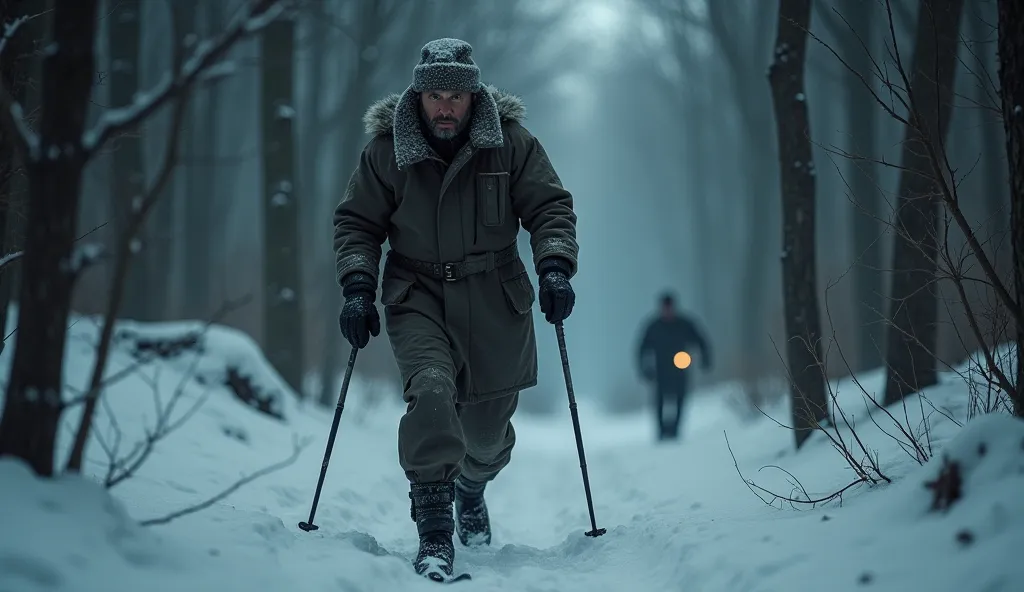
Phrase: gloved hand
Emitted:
{"points": [[359, 318], [556, 296]]}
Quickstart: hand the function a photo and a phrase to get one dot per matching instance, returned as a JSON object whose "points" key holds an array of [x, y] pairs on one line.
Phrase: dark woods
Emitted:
{"points": [[851, 173]]}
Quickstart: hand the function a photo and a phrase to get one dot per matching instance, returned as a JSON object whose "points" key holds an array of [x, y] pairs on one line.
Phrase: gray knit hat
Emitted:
{"points": [[446, 64]]}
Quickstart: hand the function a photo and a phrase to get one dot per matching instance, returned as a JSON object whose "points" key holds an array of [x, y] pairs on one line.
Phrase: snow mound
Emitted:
{"points": [[970, 492], [226, 356]]}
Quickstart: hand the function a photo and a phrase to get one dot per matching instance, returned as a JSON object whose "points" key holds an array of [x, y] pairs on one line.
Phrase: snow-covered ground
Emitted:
{"points": [[678, 515]]}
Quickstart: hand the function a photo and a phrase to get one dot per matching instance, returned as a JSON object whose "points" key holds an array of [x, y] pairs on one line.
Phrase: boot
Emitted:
{"points": [[471, 519], [432, 512]]}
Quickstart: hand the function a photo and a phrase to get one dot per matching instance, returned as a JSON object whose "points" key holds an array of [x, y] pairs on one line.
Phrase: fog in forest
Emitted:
{"points": [[657, 117]]}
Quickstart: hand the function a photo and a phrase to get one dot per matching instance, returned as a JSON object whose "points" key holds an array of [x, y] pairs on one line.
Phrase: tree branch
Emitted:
{"points": [[12, 115], [251, 19]]}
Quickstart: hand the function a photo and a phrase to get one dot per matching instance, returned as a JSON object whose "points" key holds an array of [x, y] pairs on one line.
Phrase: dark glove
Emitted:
{"points": [[556, 296], [359, 318]]}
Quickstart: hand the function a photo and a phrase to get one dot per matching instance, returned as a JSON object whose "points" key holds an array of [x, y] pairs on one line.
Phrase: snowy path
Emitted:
{"points": [[658, 504], [678, 516]]}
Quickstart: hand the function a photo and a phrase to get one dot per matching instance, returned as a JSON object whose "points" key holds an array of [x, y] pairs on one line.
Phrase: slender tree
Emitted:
{"points": [[18, 66], [282, 312], [868, 203], [797, 182], [128, 176], [913, 303], [32, 407], [1011, 82]]}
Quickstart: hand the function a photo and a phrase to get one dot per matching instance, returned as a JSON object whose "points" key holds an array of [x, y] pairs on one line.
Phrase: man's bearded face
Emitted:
{"points": [[446, 113]]}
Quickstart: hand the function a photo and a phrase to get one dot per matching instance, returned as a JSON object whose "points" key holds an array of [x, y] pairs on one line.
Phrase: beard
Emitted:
{"points": [[446, 133]]}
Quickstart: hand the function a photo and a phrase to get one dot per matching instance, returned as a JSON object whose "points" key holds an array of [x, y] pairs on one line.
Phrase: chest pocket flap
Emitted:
{"points": [[492, 198]]}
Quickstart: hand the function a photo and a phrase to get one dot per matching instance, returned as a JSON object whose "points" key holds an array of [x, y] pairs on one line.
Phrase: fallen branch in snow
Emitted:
{"points": [[297, 448], [947, 487], [253, 17], [793, 501]]}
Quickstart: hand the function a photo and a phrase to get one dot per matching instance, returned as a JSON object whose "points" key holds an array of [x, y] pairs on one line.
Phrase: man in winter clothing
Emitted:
{"points": [[447, 178], [664, 358]]}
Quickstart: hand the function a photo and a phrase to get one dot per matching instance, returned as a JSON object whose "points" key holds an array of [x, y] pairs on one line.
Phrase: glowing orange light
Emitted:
{"points": [[682, 360]]}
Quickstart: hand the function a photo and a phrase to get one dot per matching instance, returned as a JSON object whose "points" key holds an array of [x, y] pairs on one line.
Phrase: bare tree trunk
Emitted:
{"points": [[310, 165], [155, 262], [199, 200], [129, 177], [743, 58], [282, 277], [861, 116], [797, 178], [1011, 82], [163, 226], [16, 68], [992, 138], [33, 405], [913, 303], [698, 139]]}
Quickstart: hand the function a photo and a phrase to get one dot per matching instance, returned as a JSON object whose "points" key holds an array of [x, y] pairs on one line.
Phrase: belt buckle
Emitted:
{"points": [[448, 272]]}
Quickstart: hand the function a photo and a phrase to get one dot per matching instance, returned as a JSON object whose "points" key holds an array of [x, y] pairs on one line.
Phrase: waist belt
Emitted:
{"points": [[457, 270]]}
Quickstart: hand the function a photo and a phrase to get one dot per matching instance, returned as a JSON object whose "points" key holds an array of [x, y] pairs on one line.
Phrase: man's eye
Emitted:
{"points": [[456, 97]]}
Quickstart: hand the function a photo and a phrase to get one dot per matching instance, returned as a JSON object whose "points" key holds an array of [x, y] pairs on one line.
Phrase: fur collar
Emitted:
{"points": [[398, 115]]}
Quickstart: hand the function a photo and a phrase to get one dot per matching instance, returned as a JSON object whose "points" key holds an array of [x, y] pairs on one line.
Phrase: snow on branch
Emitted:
{"points": [[12, 117], [11, 28], [251, 19], [10, 258]]}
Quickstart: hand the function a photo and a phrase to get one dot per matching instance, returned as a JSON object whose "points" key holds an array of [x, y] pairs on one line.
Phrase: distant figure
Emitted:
{"points": [[664, 357]]}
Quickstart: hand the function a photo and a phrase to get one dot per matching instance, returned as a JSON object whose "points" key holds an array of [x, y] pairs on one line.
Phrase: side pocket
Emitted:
{"points": [[519, 293], [394, 290], [492, 197]]}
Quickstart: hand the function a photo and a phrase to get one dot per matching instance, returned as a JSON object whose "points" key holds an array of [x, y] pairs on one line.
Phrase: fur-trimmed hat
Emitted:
{"points": [[446, 64]]}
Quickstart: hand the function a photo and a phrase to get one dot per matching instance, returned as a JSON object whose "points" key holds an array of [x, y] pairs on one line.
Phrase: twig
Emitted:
{"points": [[755, 488], [296, 449]]}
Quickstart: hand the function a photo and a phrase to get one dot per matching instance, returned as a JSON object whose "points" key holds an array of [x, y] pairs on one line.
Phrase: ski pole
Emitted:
{"points": [[560, 332], [308, 525]]}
